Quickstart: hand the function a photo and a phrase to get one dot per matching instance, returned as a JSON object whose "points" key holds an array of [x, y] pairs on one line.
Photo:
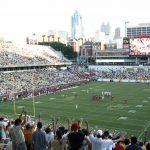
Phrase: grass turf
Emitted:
{"points": [[132, 118]]}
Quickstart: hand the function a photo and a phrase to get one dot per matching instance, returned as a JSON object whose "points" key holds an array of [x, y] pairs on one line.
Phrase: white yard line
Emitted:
{"points": [[145, 129]]}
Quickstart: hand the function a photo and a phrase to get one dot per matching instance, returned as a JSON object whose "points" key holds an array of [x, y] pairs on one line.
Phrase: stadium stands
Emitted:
{"points": [[49, 80], [26, 83], [12, 56]]}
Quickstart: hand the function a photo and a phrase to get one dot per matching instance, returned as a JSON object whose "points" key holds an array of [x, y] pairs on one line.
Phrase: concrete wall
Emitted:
{"points": [[114, 68]]}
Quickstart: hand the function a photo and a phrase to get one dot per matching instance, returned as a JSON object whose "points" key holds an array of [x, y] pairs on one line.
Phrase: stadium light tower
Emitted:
{"points": [[126, 22]]}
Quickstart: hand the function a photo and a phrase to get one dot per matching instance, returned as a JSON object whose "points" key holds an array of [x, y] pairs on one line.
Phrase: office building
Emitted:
{"points": [[142, 28], [76, 26]]}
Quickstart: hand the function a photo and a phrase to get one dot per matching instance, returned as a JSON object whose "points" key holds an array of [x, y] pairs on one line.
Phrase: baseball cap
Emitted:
{"points": [[99, 132], [74, 126]]}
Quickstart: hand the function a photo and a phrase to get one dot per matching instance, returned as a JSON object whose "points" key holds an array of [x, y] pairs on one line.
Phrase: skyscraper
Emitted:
{"points": [[105, 28], [117, 33], [76, 26]]}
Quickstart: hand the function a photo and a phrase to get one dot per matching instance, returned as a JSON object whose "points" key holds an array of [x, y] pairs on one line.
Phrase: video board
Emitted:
{"points": [[140, 46]]}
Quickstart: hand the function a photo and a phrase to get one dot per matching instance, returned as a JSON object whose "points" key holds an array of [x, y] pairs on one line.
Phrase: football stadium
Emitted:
{"points": [[40, 86]]}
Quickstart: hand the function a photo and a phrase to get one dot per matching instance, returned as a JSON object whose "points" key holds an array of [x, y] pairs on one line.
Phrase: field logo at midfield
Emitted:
{"points": [[139, 106], [117, 107], [122, 118], [132, 111]]}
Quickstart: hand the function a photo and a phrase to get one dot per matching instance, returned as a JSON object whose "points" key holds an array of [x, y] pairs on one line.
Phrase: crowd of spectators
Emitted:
{"points": [[131, 74], [25, 134], [122, 73], [22, 83], [12, 56]]}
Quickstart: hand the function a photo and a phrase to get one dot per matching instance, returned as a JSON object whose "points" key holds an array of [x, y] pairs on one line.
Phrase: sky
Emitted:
{"points": [[20, 18]]}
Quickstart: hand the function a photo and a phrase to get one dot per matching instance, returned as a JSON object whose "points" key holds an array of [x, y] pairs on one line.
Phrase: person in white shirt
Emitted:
{"points": [[100, 141], [17, 136], [49, 136], [2, 126]]}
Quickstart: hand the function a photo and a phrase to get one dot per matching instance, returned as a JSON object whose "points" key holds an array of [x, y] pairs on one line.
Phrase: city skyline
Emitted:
{"points": [[21, 18]]}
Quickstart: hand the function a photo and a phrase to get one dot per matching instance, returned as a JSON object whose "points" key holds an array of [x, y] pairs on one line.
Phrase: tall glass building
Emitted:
{"points": [[105, 28], [76, 26]]}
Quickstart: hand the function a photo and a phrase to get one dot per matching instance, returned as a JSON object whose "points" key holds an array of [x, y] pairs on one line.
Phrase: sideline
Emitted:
{"points": [[145, 129]]}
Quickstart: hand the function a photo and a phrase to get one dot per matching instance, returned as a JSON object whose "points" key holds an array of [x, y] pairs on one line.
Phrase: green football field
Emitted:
{"points": [[132, 118]]}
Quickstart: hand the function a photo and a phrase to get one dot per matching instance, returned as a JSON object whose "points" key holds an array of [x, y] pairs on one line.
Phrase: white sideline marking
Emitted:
{"points": [[145, 129], [148, 97], [20, 107], [132, 111], [122, 118], [139, 106], [83, 90], [37, 102], [70, 88], [90, 88], [52, 98], [74, 92], [145, 101], [146, 89]]}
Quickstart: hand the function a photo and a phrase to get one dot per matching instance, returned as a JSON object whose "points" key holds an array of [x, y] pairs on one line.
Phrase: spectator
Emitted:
{"points": [[126, 143], [118, 146], [38, 138], [133, 145], [101, 141], [3, 128], [17, 136], [86, 145], [59, 143], [28, 131], [75, 137], [49, 136], [148, 146]]}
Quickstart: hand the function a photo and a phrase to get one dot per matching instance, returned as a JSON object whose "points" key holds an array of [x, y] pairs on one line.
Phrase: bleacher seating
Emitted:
{"points": [[11, 56]]}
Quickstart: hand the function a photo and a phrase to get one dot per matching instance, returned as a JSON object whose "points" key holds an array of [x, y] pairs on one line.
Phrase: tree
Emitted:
{"points": [[67, 51]]}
